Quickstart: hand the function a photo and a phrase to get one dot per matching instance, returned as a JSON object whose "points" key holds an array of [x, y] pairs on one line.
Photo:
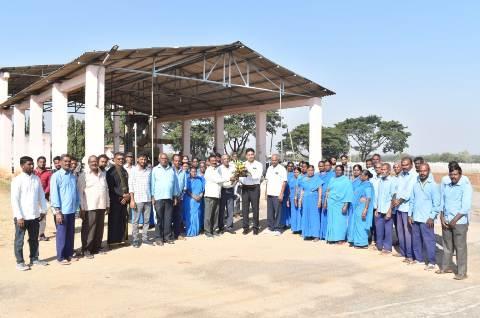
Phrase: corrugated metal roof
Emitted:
{"points": [[128, 80]]}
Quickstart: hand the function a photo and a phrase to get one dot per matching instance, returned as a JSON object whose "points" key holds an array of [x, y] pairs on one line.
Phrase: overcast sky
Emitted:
{"points": [[413, 61]]}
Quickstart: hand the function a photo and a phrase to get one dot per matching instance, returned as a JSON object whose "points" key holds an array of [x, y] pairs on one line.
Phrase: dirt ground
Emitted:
{"points": [[234, 275]]}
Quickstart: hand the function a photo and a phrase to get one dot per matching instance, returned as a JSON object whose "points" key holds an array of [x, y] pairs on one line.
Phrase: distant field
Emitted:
{"points": [[474, 179]]}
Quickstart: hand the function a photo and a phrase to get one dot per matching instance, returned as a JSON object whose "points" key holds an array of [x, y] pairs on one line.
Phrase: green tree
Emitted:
{"points": [[76, 137], [201, 139], [239, 128], [334, 141], [370, 133]]}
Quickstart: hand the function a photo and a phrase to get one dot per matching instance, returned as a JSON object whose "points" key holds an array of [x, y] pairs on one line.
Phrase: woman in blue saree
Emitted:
{"points": [[362, 206], [357, 170], [310, 201], [192, 203], [339, 196], [326, 176], [292, 202]]}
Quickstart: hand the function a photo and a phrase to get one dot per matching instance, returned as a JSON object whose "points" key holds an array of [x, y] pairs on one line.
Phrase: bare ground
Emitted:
{"points": [[233, 275]]}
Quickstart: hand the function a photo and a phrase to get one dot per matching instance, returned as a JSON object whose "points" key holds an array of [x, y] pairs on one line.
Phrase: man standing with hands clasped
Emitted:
{"points": [[424, 207], [276, 180], [29, 207]]}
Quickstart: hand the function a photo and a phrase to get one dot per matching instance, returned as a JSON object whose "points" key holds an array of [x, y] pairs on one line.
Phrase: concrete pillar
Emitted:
{"points": [[159, 134], [59, 134], [116, 132], [18, 136], [35, 134], [6, 141], [315, 134], [219, 133], [261, 136], [186, 125], [5, 128], [94, 110]]}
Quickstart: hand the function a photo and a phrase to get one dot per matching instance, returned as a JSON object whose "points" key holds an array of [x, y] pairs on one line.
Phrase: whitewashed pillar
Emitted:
{"points": [[35, 134], [315, 133], [261, 136], [159, 134], [5, 127], [186, 125], [18, 136], [94, 110], [219, 133], [59, 134]]}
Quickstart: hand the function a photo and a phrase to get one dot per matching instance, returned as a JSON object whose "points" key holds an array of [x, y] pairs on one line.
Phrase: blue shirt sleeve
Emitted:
{"points": [[412, 202], [436, 201], [54, 194], [466, 199]]}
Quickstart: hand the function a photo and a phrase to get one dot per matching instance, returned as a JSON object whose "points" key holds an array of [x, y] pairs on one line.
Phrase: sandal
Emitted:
{"points": [[443, 271]]}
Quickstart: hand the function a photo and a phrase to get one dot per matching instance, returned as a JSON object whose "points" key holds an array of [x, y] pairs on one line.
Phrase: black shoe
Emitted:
{"points": [[209, 235], [159, 242], [245, 231], [255, 231], [170, 242], [231, 231]]}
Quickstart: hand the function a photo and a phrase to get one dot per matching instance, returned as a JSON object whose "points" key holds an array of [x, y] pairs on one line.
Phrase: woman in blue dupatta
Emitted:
{"points": [[295, 210], [192, 203], [339, 196], [286, 210], [363, 197], [357, 170], [310, 201], [326, 176]]}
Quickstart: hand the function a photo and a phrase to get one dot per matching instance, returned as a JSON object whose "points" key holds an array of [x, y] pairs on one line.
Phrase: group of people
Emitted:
{"points": [[338, 203]]}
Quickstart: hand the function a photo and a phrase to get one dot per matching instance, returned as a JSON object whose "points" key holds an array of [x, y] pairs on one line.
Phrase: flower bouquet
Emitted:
{"points": [[240, 170]]}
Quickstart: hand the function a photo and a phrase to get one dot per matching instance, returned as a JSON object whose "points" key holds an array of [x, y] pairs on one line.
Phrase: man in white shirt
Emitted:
{"points": [[251, 191], [213, 187], [139, 185], [227, 197], [276, 177], [94, 204], [29, 207]]}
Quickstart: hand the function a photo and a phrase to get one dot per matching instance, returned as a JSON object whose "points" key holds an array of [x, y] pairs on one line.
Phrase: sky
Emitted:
{"points": [[417, 62]]}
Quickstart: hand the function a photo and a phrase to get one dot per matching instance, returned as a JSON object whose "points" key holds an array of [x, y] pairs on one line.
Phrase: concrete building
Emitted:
{"points": [[166, 84]]}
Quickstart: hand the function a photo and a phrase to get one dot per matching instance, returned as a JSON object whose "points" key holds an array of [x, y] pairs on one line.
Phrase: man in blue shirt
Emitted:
{"points": [[65, 202], [424, 207], [383, 212], [406, 180], [456, 203], [165, 192], [178, 228]]}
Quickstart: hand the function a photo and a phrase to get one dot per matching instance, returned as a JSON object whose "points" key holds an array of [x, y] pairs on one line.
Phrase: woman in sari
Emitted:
{"points": [[310, 201], [339, 196], [192, 203], [362, 206], [357, 170], [326, 176], [292, 202]]}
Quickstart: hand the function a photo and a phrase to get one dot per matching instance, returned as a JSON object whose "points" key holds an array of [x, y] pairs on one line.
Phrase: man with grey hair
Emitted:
{"points": [[276, 178], [94, 204], [227, 197]]}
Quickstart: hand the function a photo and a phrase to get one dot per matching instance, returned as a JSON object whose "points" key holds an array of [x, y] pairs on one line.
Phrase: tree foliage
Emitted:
{"points": [[334, 141], [76, 137], [367, 134], [201, 139]]}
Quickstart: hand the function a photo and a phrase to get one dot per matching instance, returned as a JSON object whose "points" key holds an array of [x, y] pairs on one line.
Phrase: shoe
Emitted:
{"points": [[231, 231], [218, 232], [429, 267], [245, 231], [443, 271], [170, 242], [255, 231], [135, 244], [43, 238], [181, 237], [159, 242], [64, 262], [22, 267], [38, 263], [460, 277], [414, 262], [88, 255], [278, 233], [209, 235]]}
